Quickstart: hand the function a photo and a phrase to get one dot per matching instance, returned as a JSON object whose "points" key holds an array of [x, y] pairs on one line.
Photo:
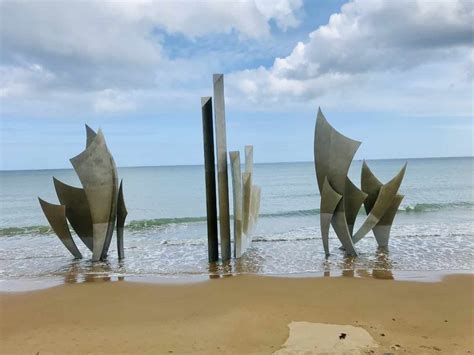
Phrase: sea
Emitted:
{"points": [[166, 235]]}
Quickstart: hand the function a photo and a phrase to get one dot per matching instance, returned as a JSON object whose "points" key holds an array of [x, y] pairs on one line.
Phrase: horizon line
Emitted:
{"points": [[256, 163]]}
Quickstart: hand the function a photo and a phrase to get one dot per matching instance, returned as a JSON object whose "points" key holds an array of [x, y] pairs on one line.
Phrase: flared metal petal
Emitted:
{"points": [[384, 200], [90, 134], [121, 216], [382, 229], [333, 154], [329, 201], [370, 185], [97, 172], [56, 216], [77, 210], [353, 199]]}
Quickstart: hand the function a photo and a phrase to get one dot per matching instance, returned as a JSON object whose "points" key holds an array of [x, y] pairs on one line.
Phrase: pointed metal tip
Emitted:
{"points": [[205, 100], [217, 77]]}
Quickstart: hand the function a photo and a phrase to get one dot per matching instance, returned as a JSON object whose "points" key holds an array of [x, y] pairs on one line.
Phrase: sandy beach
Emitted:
{"points": [[237, 315]]}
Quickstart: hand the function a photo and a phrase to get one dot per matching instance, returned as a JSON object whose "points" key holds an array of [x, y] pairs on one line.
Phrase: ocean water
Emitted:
{"points": [[165, 232]]}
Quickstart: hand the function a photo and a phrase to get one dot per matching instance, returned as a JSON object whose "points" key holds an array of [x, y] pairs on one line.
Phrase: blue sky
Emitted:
{"points": [[397, 75]]}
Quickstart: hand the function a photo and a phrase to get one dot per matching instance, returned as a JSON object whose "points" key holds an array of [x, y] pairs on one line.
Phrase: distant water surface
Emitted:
{"points": [[166, 229]]}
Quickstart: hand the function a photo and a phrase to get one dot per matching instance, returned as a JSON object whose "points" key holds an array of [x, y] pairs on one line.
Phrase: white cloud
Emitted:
{"points": [[376, 53], [110, 100], [85, 47]]}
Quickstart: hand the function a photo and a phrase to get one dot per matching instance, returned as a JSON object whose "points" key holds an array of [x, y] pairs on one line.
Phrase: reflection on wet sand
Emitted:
{"points": [[380, 268]]}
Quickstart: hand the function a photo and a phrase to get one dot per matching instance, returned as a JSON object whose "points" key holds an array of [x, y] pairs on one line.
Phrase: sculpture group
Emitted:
{"points": [[246, 196], [341, 200], [96, 209], [93, 210]]}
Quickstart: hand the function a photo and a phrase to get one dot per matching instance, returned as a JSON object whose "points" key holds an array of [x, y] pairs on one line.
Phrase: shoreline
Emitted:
{"points": [[239, 314], [41, 283]]}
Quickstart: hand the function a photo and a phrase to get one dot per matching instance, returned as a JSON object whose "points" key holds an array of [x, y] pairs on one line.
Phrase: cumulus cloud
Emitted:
{"points": [[371, 49], [87, 47]]}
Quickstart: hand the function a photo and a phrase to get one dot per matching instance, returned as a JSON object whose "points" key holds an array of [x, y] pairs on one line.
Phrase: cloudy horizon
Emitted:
{"points": [[397, 76]]}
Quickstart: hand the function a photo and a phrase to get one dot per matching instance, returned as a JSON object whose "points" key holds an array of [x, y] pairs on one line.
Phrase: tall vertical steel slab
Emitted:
{"points": [[223, 184], [121, 216], [247, 186], [210, 177], [239, 239], [56, 216]]}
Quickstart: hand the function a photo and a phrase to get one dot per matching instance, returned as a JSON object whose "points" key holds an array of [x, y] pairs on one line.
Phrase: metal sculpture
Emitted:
{"points": [[246, 197], [56, 216], [91, 210], [246, 203], [222, 177], [210, 175], [341, 200]]}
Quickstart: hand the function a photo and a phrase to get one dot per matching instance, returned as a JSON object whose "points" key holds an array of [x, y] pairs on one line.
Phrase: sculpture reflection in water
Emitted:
{"points": [[341, 200], [93, 210]]}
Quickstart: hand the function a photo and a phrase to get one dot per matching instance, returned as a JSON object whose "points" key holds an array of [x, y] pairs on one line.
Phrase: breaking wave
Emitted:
{"points": [[160, 223]]}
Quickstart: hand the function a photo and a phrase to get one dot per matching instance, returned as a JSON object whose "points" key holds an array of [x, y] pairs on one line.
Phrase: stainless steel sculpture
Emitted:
{"points": [[373, 187], [210, 176], [56, 216], [222, 177], [121, 215], [92, 210], [246, 204], [341, 200], [246, 197]]}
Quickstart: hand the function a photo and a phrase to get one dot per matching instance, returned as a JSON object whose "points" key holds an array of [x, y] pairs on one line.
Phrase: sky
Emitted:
{"points": [[396, 75]]}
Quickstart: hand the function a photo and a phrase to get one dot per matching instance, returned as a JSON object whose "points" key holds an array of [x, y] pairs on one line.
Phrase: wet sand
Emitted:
{"points": [[237, 315]]}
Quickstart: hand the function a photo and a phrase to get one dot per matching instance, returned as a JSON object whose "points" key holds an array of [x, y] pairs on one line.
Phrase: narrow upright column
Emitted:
{"points": [[210, 172], [247, 186], [219, 112], [239, 244], [121, 215]]}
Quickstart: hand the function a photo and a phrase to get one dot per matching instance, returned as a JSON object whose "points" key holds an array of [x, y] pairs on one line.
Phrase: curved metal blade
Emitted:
{"points": [[77, 210], [333, 154], [90, 135], [56, 216], [97, 172], [384, 200], [329, 201], [353, 199], [382, 229], [121, 216]]}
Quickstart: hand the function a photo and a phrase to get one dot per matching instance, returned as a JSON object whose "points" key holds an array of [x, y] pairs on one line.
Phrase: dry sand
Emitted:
{"points": [[239, 315]]}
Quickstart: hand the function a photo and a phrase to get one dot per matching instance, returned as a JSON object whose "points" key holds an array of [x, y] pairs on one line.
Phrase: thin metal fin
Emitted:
{"points": [[384, 201], [121, 216], [382, 229], [90, 135], [329, 202], [77, 210], [56, 216], [353, 199]]}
